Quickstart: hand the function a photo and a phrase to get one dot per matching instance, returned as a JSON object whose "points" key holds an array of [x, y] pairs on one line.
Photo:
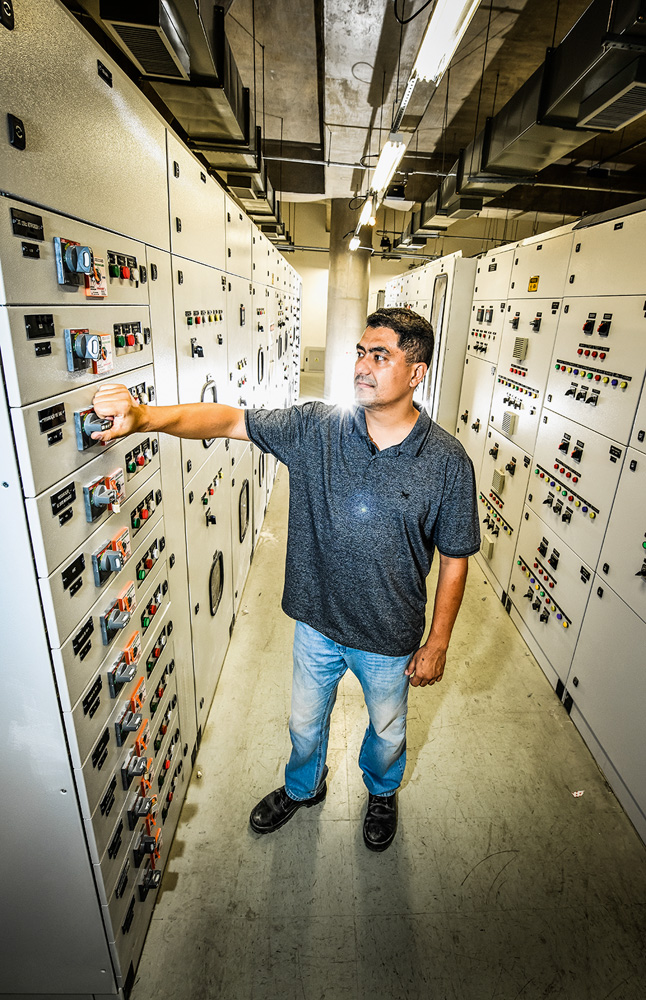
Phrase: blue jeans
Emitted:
{"points": [[319, 665]]}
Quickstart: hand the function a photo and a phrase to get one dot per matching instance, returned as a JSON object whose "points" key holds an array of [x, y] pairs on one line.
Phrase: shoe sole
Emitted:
{"points": [[307, 804], [378, 848]]}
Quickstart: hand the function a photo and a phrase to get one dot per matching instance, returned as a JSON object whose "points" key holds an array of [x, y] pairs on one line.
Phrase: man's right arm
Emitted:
{"points": [[186, 420]]}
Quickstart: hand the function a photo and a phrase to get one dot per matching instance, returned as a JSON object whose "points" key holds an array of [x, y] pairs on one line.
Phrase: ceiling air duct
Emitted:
{"points": [[619, 102], [151, 36], [183, 56]]}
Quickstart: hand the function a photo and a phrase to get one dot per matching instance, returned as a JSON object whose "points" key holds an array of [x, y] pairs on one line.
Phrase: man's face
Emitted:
{"points": [[382, 375]]}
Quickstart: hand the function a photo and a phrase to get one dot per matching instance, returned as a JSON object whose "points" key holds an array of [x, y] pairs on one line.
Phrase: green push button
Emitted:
{"points": [[120, 340], [141, 574], [590, 374], [114, 270], [145, 621]]}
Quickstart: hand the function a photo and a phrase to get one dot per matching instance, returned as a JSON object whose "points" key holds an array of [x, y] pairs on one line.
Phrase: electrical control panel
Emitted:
{"points": [[211, 566], [196, 208], [606, 257], [122, 575], [502, 485], [52, 352], [200, 306], [241, 362], [238, 229], [573, 481], [638, 436], [71, 256], [241, 521], [607, 685], [525, 352], [485, 330], [622, 563], [549, 589], [599, 362], [540, 265], [473, 410]]}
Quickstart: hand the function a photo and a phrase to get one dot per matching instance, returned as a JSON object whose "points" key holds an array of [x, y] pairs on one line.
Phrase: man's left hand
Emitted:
{"points": [[427, 665]]}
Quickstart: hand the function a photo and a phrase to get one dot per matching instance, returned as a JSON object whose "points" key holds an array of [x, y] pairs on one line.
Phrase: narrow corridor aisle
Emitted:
{"points": [[501, 884]]}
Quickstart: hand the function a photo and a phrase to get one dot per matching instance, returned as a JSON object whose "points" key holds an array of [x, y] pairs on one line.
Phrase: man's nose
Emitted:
{"points": [[362, 365]]}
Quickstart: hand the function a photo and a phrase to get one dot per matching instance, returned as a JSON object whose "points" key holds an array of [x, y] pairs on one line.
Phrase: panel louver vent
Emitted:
{"points": [[619, 113], [509, 421], [520, 348], [498, 480], [148, 48]]}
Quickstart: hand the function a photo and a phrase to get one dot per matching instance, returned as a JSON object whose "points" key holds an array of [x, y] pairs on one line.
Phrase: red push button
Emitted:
{"points": [[125, 272], [140, 460], [145, 514]]}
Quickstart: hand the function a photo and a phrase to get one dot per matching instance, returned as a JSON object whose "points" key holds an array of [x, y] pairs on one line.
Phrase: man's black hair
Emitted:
{"points": [[414, 333]]}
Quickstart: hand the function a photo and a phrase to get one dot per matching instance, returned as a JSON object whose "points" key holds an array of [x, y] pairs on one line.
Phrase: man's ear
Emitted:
{"points": [[419, 371]]}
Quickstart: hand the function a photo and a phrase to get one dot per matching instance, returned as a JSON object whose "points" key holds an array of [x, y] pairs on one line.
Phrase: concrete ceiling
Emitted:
{"points": [[325, 77], [333, 73]]}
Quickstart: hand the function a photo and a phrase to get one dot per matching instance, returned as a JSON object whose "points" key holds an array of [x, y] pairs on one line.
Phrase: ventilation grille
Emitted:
{"points": [[625, 109], [509, 422], [487, 546], [498, 480], [148, 48], [520, 348]]}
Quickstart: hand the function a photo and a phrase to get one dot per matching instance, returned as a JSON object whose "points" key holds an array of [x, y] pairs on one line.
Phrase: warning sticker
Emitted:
{"points": [[533, 284]]}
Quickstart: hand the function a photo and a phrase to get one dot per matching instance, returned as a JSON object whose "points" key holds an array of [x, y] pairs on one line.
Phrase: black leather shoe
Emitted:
{"points": [[380, 824], [278, 807]]}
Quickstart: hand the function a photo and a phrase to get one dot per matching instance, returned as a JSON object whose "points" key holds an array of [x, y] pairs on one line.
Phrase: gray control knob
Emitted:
{"points": [[87, 345], [123, 675], [102, 496], [79, 260], [92, 423], [110, 561], [118, 620]]}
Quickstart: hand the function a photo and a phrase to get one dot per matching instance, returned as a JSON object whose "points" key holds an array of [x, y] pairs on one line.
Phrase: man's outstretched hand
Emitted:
{"points": [[117, 403]]}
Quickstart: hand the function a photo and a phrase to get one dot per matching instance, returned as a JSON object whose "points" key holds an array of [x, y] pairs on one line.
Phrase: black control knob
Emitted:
{"points": [[536, 604], [553, 561], [511, 467], [571, 391], [563, 447], [567, 515], [544, 616], [588, 326], [592, 400], [529, 594], [604, 328], [642, 571], [464, 416], [542, 548], [535, 324], [558, 507], [515, 320], [494, 451], [577, 453], [549, 500], [476, 426]]}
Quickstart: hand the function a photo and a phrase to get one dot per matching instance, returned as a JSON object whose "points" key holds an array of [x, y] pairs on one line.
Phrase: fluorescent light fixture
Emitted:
{"points": [[388, 161], [366, 212], [355, 243], [444, 32]]}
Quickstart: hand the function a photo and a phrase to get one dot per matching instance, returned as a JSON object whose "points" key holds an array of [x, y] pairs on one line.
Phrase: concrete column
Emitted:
{"points": [[347, 301]]}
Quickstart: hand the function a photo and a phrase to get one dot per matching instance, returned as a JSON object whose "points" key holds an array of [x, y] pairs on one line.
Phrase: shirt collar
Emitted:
{"points": [[411, 445]]}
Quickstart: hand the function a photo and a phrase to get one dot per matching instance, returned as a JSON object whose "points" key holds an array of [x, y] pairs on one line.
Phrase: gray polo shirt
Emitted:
{"points": [[363, 523]]}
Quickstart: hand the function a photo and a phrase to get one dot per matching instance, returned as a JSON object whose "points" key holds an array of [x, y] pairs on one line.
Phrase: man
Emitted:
{"points": [[373, 492]]}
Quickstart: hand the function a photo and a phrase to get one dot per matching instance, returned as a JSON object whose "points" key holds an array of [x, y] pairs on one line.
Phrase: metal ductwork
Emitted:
{"points": [[184, 57], [432, 216], [593, 81], [597, 66]]}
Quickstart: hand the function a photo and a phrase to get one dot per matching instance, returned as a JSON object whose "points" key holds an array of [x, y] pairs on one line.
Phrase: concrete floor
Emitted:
{"points": [[500, 885]]}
